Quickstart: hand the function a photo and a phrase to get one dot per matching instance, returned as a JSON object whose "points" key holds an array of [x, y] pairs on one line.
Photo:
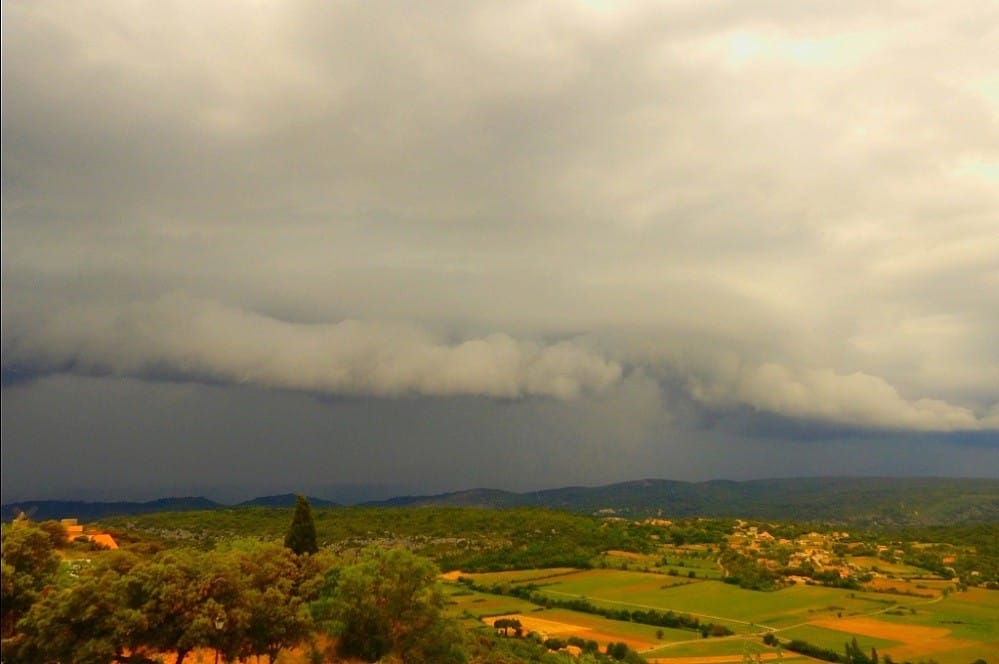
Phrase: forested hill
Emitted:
{"points": [[867, 500], [285, 500], [40, 510]]}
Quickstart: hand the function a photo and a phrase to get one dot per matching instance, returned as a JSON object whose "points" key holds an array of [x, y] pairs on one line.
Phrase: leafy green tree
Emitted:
{"points": [[388, 604], [617, 650], [88, 622], [301, 537], [856, 655], [276, 616], [188, 599], [29, 563], [506, 624]]}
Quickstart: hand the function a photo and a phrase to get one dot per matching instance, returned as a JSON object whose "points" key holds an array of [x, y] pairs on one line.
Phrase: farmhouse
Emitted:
{"points": [[75, 531]]}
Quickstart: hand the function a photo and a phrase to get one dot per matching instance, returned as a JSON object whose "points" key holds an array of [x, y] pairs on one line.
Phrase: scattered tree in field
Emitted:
{"points": [[506, 624], [621, 652], [301, 537]]}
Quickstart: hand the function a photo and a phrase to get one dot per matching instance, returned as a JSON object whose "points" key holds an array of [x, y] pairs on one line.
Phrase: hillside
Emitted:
{"points": [[285, 500], [859, 500], [41, 510], [868, 500]]}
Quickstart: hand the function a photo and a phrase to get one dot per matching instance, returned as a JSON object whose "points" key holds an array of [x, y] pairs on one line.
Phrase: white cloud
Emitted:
{"points": [[855, 399], [177, 336], [798, 191]]}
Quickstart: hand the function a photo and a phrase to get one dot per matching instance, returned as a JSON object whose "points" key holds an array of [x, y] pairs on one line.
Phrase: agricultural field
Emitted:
{"points": [[893, 569], [467, 604], [684, 561], [487, 608], [742, 608], [717, 651], [952, 627], [610, 583], [836, 632]]}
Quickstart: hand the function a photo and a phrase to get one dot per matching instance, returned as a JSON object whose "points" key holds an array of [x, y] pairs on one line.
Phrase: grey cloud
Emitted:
{"points": [[184, 337], [768, 207], [859, 399]]}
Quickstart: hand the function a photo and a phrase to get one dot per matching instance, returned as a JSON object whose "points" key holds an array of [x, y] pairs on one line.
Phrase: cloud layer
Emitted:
{"points": [[177, 337], [667, 212]]}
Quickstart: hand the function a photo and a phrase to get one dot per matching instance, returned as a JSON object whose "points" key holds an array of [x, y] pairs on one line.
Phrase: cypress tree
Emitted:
{"points": [[301, 537]]}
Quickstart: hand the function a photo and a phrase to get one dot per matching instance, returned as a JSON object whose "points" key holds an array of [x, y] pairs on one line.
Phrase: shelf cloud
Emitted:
{"points": [[181, 338], [675, 214]]}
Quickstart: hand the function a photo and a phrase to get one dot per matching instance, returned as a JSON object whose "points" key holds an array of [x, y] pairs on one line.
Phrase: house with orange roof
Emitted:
{"points": [[75, 531]]}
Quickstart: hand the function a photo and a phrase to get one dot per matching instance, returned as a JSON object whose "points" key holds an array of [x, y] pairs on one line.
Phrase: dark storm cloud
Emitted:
{"points": [[667, 213]]}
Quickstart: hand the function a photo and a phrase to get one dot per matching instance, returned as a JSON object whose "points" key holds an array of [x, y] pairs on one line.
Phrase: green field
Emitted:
{"points": [[471, 605], [894, 569], [721, 648], [480, 605], [599, 582], [623, 630], [970, 615], [683, 564], [834, 639], [538, 576], [964, 625], [717, 601]]}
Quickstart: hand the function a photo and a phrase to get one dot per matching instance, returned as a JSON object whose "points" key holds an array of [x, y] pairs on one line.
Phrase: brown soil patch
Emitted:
{"points": [[901, 587], [555, 628], [540, 625], [625, 554], [917, 640]]}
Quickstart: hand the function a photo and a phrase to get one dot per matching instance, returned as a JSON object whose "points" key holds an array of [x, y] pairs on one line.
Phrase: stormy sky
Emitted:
{"points": [[254, 247]]}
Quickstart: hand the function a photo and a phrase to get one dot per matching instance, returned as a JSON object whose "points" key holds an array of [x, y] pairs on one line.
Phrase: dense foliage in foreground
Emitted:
{"points": [[243, 599], [120, 606]]}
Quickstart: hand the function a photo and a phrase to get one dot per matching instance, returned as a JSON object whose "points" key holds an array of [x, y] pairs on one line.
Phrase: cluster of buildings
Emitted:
{"points": [[76, 532]]}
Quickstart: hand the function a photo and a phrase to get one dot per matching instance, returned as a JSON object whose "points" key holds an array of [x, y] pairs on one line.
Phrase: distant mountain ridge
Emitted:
{"points": [[864, 500], [874, 500], [41, 510], [285, 500]]}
